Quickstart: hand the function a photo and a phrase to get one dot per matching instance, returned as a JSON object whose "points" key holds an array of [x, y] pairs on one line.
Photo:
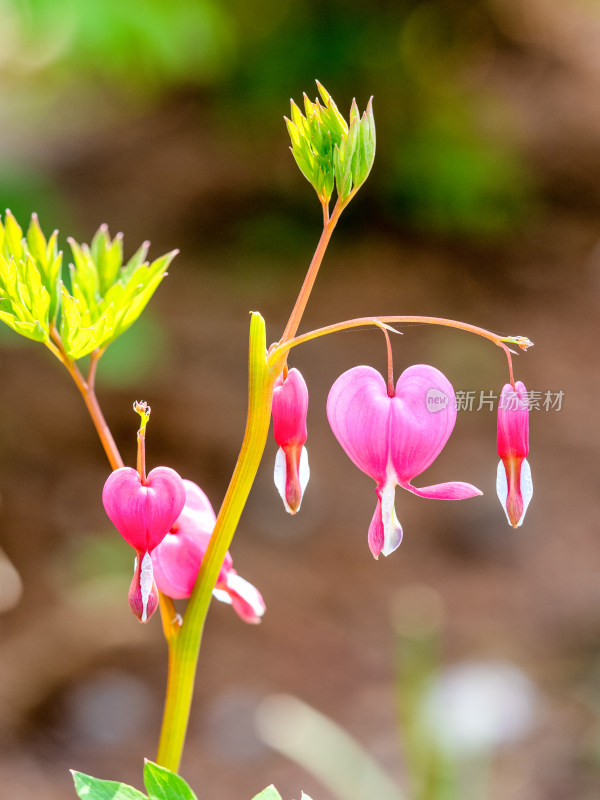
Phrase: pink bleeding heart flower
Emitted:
{"points": [[177, 559], [513, 483], [143, 512], [290, 407], [395, 438]]}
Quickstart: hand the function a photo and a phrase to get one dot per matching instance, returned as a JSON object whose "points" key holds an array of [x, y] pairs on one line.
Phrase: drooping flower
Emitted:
{"points": [[177, 559], [394, 438], [290, 406], [513, 483], [143, 512]]}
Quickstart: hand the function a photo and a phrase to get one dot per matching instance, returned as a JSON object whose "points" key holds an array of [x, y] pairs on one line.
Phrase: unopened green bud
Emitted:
{"points": [[330, 152]]}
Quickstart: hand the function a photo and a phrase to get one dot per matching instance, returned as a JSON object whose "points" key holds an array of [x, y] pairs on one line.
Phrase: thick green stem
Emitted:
{"points": [[184, 646]]}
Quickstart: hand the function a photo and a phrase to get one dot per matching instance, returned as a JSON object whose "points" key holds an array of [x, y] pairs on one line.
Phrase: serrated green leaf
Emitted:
{"points": [[309, 109], [79, 338], [29, 277], [89, 788], [31, 330], [293, 132], [13, 237], [270, 793], [85, 284], [36, 241], [297, 117], [99, 242], [305, 168], [24, 300], [332, 119], [138, 259], [107, 297], [107, 256], [48, 262], [162, 784], [88, 339]]}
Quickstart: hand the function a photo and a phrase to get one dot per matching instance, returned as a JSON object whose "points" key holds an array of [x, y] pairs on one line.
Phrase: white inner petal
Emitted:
{"points": [[392, 531], [279, 476], [146, 581], [502, 488], [222, 595], [303, 471], [526, 486]]}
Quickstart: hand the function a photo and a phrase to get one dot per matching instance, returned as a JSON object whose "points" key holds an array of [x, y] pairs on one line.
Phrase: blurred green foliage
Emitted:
{"points": [[446, 160], [144, 44]]}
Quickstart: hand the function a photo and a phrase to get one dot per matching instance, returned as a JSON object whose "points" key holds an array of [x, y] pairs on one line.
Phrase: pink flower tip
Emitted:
{"points": [[513, 482], [177, 559], [143, 593], [290, 407]]}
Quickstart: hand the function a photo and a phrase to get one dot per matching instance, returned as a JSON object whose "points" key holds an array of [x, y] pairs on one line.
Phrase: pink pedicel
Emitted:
{"points": [[177, 559], [290, 406], [514, 484], [395, 438], [143, 512]]}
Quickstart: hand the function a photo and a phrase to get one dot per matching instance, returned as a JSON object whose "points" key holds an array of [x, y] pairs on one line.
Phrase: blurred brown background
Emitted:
{"points": [[165, 121]]}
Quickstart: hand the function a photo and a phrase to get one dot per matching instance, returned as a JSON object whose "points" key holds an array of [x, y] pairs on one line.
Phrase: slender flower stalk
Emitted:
{"points": [[501, 341], [329, 223], [184, 647], [87, 391], [390, 362], [284, 346]]}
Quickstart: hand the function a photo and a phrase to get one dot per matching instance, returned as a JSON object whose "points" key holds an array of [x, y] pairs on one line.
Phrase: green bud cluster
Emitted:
{"points": [[330, 152], [105, 297]]}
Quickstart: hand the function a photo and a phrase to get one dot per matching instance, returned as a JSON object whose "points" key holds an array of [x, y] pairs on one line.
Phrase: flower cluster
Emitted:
{"points": [[393, 435], [169, 522]]}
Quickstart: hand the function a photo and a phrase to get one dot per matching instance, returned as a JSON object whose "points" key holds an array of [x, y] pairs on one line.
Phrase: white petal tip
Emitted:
{"points": [[280, 477], [526, 489], [391, 527]]}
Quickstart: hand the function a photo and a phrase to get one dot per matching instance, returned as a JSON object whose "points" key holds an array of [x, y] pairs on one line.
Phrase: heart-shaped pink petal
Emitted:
{"points": [[423, 417], [143, 513], [178, 557], [405, 432], [198, 514], [358, 410]]}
